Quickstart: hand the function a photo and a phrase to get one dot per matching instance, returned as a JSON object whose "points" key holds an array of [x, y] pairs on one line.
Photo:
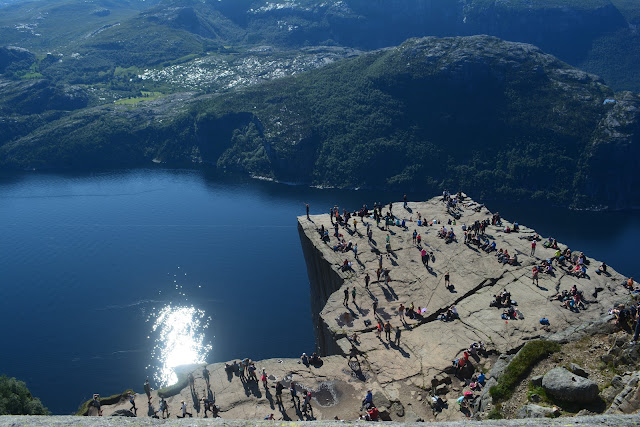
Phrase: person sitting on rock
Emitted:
{"points": [[373, 414], [505, 298], [437, 404], [602, 269], [459, 364], [568, 302], [475, 386], [577, 301], [315, 359], [304, 359], [451, 314], [481, 378], [509, 313], [630, 283]]}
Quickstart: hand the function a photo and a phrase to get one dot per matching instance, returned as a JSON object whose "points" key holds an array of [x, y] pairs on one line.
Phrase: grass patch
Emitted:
{"points": [[520, 366], [174, 389], [495, 413], [145, 96], [539, 391], [110, 400], [31, 75]]}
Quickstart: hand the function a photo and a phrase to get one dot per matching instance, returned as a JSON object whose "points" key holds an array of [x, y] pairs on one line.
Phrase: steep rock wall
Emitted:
{"points": [[324, 280]]}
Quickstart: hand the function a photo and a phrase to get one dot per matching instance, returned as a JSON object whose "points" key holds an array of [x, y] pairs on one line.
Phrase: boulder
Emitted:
{"points": [[578, 370], [628, 400], [483, 402], [384, 413], [380, 400], [398, 409], [606, 358], [617, 382], [412, 417], [535, 411], [123, 413], [500, 365], [561, 384], [442, 389]]}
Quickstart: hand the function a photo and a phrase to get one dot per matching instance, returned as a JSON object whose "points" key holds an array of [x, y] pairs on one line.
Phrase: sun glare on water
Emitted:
{"points": [[179, 340]]}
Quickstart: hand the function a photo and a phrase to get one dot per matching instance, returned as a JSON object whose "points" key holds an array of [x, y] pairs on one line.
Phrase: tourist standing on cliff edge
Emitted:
{"points": [[308, 211], [147, 389]]}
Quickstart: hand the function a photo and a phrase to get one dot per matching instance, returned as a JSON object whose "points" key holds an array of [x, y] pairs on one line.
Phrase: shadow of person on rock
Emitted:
{"points": [[470, 246], [392, 292], [298, 411], [383, 314], [402, 351], [386, 293], [196, 401], [362, 311], [269, 397], [254, 388], [285, 416]]}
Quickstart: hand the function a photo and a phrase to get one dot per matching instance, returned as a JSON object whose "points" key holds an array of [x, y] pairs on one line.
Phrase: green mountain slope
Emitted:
{"points": [[488, 116]]}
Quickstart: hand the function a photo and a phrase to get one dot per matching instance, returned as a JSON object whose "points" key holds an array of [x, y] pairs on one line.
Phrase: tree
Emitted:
{"points": [[16, 399]]}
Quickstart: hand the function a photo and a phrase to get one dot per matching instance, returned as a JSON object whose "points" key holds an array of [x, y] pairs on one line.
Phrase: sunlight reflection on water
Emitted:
{"points": [[179, 340]]}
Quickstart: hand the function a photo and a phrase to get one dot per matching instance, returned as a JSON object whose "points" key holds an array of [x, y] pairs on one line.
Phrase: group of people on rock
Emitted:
{"points": [[314, 359], [504, 257], [463, 369], [571, 299]]}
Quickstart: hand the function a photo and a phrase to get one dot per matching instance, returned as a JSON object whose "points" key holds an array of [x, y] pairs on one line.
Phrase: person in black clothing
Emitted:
{"points": [[279, 388], [346, 296]]}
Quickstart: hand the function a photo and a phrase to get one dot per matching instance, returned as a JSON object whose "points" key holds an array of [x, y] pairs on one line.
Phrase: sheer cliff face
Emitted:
{"points": [[323, 281], [614, 153]]}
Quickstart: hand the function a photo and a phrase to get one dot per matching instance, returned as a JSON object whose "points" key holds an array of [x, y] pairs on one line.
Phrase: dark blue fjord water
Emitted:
{"points": [[107, 278]]}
